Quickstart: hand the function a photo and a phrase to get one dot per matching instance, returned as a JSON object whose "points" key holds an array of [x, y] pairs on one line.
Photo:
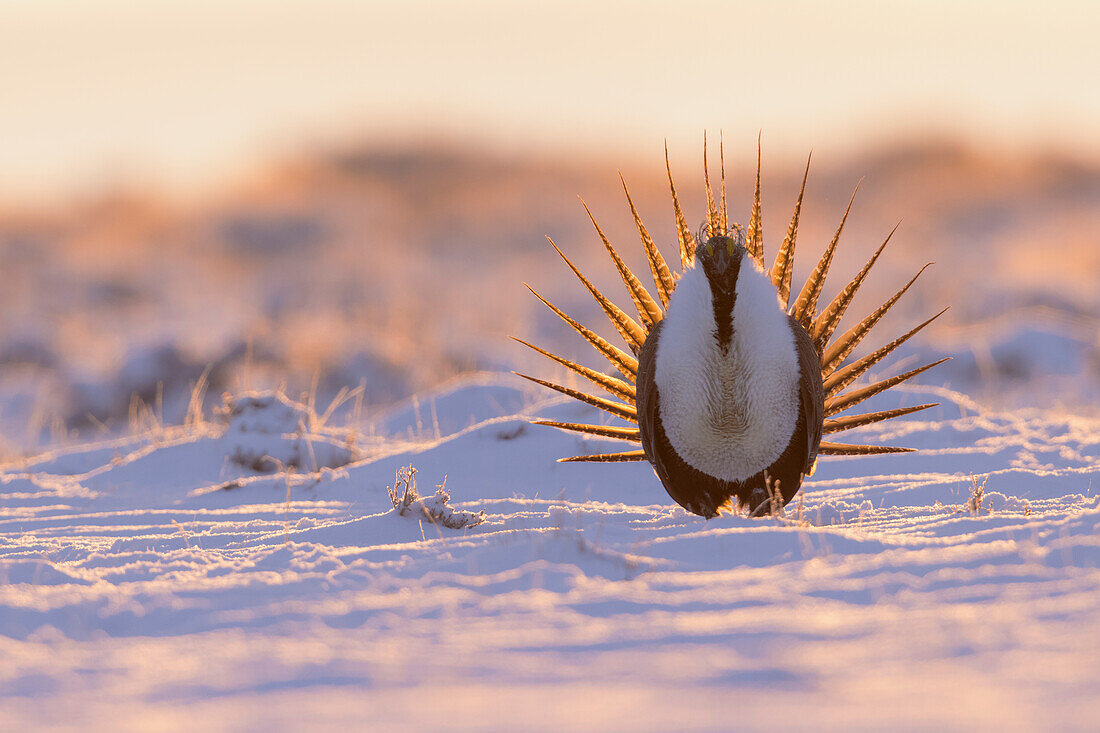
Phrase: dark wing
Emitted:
{"points": [[647, 401], [811, 393], [693, 490]]}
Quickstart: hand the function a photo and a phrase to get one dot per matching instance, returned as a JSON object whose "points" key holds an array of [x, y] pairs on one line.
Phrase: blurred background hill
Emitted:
{"points": [[333, 194]]}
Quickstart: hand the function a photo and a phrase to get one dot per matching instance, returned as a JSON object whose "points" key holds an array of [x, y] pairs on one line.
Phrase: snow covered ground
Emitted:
{"points": [[181, 580]]}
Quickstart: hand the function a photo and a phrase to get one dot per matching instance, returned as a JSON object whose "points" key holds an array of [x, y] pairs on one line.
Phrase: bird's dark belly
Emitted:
{"points": [[703, 494]]}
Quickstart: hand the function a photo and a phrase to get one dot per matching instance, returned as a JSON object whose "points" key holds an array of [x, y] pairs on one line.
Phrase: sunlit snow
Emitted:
{"points": [[162, 578]]}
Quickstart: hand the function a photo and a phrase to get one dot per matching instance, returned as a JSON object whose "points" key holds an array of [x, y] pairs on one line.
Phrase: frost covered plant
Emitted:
{"points": [[977, 492], [404, 492], [407, 500], [772, 505]]}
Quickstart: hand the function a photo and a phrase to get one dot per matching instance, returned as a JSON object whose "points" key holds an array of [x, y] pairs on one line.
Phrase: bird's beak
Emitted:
{"points": [[720, 257]]}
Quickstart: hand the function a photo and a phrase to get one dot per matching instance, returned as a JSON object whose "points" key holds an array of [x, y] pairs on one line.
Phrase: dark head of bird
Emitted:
{"points": [[721, 257]]}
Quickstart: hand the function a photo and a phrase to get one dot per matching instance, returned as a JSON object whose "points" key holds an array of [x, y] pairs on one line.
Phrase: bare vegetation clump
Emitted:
{"points": [[408, 502], [770, 500], [977, 493], [267, 432]]}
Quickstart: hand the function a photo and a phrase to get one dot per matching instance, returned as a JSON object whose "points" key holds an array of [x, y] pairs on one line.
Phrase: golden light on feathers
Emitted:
{"points": [[836, 373]]}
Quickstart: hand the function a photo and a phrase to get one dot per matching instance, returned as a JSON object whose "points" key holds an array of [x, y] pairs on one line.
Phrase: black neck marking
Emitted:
{"points": [[723, 296]]}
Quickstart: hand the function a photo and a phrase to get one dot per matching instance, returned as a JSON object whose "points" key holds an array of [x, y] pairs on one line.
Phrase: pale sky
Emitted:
{"points": [[181, 93]]}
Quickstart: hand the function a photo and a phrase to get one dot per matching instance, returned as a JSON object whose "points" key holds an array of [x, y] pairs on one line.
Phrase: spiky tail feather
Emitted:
{"points": [[634, 455]]}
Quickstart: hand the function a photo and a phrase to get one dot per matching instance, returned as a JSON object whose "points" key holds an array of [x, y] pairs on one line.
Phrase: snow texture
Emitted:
{"points": [[160, 582]]}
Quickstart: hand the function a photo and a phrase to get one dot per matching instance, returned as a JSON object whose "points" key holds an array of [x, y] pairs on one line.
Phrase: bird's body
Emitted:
{"points": [[724, 405], [731, 377]]}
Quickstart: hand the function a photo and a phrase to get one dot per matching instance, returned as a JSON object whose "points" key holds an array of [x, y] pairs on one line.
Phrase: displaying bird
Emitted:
{"points": [[729, 379]]}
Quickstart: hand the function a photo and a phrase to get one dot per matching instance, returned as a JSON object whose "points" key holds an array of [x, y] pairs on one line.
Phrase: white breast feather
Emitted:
{"points": [[728, 415]]}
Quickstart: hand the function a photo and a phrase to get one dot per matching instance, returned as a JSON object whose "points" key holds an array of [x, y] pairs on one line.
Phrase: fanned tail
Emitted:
{"points": [[837, 373]]}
